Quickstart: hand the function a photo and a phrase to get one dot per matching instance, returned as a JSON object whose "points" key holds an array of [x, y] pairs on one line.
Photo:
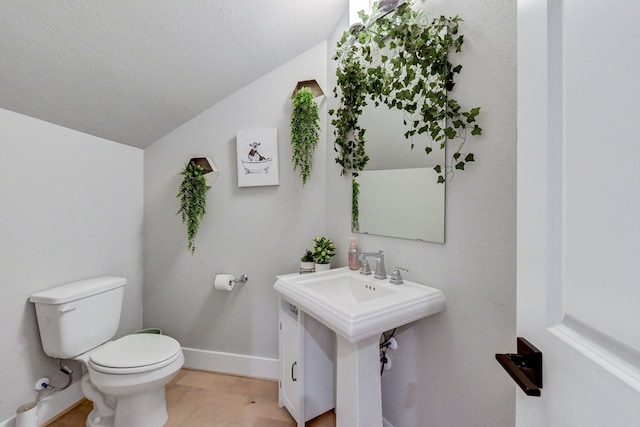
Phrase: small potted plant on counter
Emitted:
{"points": [[307, 265], [323, 250]]}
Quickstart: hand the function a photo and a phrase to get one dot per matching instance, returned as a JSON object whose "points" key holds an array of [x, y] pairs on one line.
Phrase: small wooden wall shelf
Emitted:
{"points": [[311, 84], [210, 169]]}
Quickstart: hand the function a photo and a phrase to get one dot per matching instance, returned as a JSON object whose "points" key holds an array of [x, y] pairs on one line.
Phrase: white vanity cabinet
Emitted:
{"points": [[307, 364]]}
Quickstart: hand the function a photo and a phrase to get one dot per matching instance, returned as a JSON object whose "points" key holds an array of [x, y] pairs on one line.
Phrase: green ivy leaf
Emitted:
{"points": [[450, 133]]}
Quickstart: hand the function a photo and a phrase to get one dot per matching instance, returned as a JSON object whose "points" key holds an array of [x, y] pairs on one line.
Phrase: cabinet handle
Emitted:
{"points": [[293, 365]]}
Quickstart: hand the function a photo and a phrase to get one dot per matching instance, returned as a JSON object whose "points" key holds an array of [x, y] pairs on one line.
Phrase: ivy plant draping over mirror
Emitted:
{"points": [[401, 59]]}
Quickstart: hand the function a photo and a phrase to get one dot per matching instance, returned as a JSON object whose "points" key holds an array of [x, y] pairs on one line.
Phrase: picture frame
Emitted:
{"points": [[257, 157]]}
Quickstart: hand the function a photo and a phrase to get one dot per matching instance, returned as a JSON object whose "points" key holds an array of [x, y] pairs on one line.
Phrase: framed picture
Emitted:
{"points": [[257, 151]]}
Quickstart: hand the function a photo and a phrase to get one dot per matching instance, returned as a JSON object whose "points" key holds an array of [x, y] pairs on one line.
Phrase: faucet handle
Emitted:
{"points": [[396, 277], [364, 265]]}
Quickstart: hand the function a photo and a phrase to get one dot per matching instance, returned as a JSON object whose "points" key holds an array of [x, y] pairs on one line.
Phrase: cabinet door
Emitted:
{"points": [[318, 357], [289, 365]]}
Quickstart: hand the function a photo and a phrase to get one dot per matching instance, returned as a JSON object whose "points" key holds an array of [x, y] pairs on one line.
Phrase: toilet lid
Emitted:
{"points": [[136, 350]]}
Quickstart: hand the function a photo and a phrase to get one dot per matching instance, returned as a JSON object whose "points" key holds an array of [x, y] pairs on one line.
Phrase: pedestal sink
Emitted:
{"points": [[358, 308]]}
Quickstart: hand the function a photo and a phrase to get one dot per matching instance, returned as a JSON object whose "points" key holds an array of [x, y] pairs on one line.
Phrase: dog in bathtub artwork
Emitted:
{"points": [[257, 152]]}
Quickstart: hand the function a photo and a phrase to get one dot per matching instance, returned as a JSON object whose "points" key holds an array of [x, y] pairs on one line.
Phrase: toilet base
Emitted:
{"points": [[103, 412], [128, 411], [95, 420]]}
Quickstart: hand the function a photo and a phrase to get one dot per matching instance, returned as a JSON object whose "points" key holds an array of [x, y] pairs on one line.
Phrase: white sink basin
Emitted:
{"points": [[357, 306]]}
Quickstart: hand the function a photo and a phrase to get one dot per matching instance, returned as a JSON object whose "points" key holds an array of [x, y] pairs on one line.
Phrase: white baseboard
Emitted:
{"points": [[230, 363], [386, 423], [54, 404]]}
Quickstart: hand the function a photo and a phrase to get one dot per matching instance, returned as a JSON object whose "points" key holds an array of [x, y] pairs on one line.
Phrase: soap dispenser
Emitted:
{"points": [[354, 264]]}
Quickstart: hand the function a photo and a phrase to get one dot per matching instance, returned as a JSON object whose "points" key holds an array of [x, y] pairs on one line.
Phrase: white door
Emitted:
{"points": [[579, 209]]}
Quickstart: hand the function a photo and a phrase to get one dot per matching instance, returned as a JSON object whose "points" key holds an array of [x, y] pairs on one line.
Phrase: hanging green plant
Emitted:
{"points": [[305, 132], [355, 205], [193, 200], [402, 60]]}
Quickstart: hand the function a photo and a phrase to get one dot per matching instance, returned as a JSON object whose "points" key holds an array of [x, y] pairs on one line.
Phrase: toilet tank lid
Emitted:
{"points": [[77, 290]]}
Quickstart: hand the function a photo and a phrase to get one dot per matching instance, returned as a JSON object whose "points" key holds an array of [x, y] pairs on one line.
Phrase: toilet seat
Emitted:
{"points": [[135, 353]]}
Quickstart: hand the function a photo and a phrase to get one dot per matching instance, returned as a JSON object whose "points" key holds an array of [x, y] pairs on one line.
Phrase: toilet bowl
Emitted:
{"points": [[132, 372], [125, 378]]}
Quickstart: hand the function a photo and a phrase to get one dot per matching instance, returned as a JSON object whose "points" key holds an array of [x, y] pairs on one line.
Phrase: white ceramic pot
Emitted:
{"points": [[307, 267], [323, 267]]}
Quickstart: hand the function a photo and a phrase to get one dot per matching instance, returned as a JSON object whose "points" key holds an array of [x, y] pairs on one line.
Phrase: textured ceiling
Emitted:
{"points": [[133, 70]]}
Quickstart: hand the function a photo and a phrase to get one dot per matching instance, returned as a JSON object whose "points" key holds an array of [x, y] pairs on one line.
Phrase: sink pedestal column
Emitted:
{"points": [[358, 385]]}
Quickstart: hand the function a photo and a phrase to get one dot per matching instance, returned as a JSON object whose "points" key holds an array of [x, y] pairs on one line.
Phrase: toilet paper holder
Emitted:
{"points": [[226, 282], [243, 279]]}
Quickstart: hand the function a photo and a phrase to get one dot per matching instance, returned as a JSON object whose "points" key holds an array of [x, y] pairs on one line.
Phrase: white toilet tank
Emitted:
{"points": [[78, 316]]}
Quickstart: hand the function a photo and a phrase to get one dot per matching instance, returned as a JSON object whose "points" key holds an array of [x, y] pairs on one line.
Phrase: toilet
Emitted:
{"points": [[125, 378]]}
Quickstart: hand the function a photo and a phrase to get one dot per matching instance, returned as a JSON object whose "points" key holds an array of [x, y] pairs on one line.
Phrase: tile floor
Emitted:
{"points": [[199, 399]]}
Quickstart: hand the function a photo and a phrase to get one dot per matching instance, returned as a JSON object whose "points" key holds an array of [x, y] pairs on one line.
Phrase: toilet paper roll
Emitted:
{"points": [[224, 282]]}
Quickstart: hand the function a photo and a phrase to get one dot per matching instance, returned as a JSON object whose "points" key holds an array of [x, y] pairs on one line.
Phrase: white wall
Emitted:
{"points": [[444, 373], [258, 231], [71, 208]]}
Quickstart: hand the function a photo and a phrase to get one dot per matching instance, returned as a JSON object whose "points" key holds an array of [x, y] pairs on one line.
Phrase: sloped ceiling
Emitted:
{"points": [[133, 70]]}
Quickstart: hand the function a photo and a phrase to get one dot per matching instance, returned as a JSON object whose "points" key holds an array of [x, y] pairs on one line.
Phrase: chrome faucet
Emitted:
{"points": [[364, 264]]}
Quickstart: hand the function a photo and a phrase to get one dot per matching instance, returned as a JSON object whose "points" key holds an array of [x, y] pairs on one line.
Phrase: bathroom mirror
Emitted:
{"points": [[398, 191], [398, 59]]}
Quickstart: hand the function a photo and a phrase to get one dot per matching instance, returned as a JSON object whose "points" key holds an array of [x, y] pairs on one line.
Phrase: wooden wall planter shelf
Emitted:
{"points": [[210, 169]]}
